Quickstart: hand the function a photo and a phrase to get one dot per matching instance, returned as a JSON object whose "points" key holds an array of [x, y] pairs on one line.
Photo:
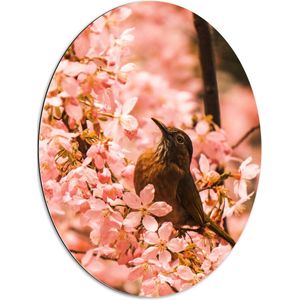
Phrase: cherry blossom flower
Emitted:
{"points": [[73, 69], [202, 128], [123, 72], [216, 146], [126, 37], [156, 286], [144, 209], [127, 175], [162, 244], [104, 176], [215, 257], [100, 155], [237, 207], [207, 176], [122, 121], [245, 173]]}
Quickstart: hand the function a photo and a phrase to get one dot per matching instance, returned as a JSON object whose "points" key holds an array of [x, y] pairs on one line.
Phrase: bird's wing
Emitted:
{"points": [[189, 198]]}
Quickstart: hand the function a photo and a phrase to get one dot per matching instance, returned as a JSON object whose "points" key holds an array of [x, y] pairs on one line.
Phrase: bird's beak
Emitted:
{"points": [[163, 128]]}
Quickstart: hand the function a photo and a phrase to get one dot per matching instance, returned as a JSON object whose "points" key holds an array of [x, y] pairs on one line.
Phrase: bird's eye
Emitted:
{"points": [[180, 139]]}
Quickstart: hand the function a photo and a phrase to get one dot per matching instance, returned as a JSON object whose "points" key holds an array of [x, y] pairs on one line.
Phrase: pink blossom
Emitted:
{"points": [[127, 175], [122, 121], [104, 176], [161, 244], [246, 172], [219, 253], [54, 101], [82, 44], [120, 14], [126, 37], [71, 86], [97, 153], [127, 121], [144, 209], [113, 156], [207, 176], [73, 69], [216, 146], [73, 109], [112, 191], [185, 273], [215, 257], [100, 82], [202, 128], [156, 286], [238, 206]]}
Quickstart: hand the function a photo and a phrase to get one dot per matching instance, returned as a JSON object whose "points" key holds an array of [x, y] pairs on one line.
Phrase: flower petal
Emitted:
{"points": [[250, 171], [129, 122], [185, 273], [150, 253], [240, 188], [132, 200], [136, 273], [219, 253], [133, 219], [176, 245], [245, 163], [99, 162], [54, 101], [128, 67], [165, 231], [160, 209], [73, 109], [202, 127], [129, 105], [164, 257], [149, 287], [147, 194], [151, 238], [204, 164], [71, 86], [86, 259], [120, 14], [150, 223], [216, 136]]}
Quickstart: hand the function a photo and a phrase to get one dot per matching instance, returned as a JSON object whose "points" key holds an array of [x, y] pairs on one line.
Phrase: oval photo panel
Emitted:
{"points": [[149, 149]]}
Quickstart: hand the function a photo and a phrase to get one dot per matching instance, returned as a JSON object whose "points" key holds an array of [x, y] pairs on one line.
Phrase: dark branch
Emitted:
{"points": [[245, 136], [211, 98], [172, 287], [77, 251], [73, 251]]}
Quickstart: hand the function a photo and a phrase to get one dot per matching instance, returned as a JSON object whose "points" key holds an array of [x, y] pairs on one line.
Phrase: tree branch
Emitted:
{"points": [[211, 97], [245, 136], [73, 251]]}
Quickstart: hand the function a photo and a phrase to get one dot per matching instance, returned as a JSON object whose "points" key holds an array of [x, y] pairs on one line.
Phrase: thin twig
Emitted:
{"points": [[245, 136], [77, 251], [172, 287], [206, 57], [73, 251]]}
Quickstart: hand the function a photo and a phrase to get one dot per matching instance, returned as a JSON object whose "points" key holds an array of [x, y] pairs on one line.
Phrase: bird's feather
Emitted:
{"points": [[189, 198]]}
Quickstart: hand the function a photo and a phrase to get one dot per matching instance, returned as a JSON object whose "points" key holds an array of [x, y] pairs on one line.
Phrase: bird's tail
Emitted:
{"points": [[219, 231]]}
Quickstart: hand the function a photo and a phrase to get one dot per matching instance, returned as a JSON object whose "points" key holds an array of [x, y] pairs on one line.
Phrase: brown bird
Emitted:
{"points": [[167, 167]]}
